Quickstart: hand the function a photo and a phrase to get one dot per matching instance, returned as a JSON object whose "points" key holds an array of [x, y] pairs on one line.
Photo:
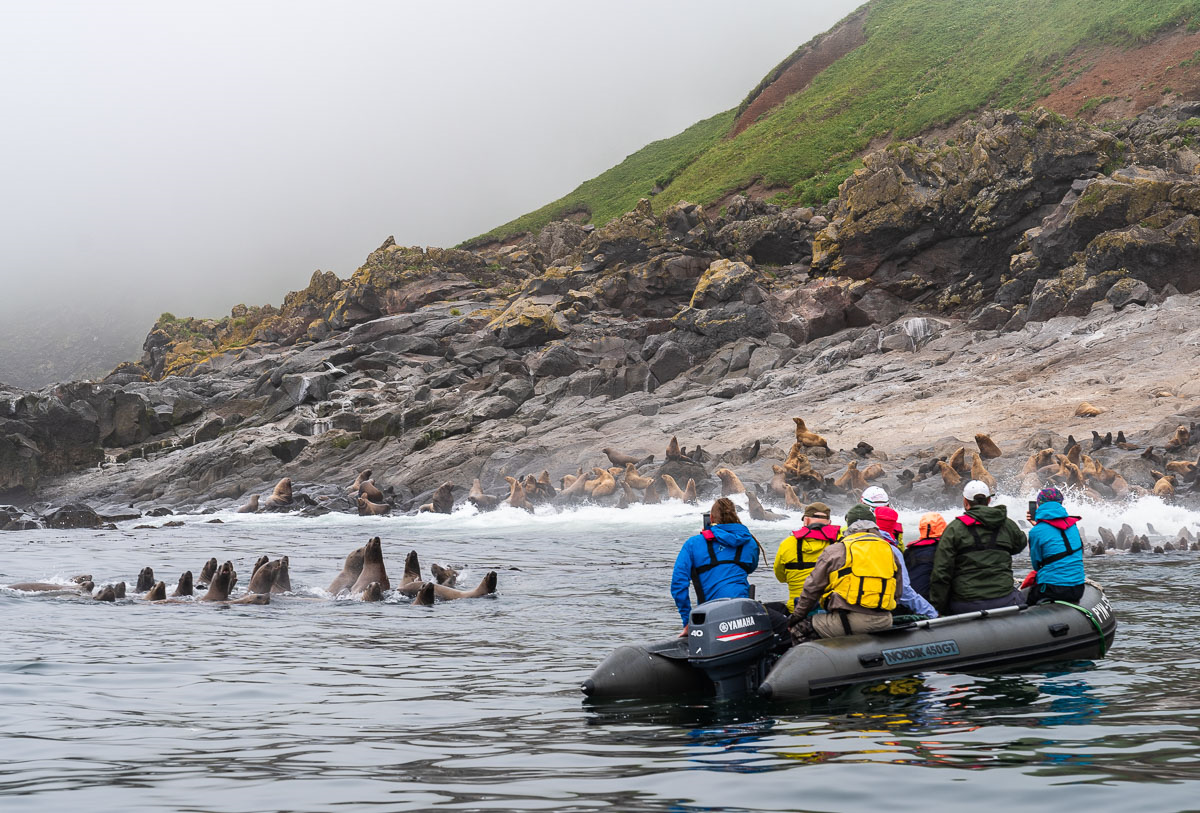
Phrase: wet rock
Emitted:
{"points": [[73, 515]]}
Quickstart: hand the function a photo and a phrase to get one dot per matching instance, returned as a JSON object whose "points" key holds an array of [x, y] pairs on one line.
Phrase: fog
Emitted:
{"points": [[189, 156]]}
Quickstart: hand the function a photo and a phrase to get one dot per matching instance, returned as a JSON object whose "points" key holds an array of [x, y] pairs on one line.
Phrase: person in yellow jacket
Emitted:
{"points": [[799, 551], [857, 581]]}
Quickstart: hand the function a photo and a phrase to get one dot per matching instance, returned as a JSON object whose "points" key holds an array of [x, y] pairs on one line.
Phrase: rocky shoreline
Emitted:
{"points": [[987, 282]]}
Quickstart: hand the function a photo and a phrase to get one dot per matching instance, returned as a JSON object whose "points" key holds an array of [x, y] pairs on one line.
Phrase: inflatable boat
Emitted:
{"points": [[730, 651]]}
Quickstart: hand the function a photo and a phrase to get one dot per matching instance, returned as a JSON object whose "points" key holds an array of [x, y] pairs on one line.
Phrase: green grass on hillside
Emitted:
{"points": [[925, 63], [616, 191]]}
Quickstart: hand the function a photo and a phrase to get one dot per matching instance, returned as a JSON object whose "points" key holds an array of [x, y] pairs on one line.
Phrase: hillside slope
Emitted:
{"points": [[909, 66]]}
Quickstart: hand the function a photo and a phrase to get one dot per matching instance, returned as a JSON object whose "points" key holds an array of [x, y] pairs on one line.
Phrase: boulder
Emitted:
{"points": [[724, 281], [528, 322], [668, 362], [555, 361], [73, 515], [1128, 292]]}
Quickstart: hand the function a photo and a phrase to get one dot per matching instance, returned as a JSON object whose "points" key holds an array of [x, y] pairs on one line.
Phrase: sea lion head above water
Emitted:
{"points": [[263, 578], [372, 592], [373, 567], [446, 576], [207, 572], [158, 592], [221, 584], [184, 588], [145, 579], [351, 569], [250, 506]]}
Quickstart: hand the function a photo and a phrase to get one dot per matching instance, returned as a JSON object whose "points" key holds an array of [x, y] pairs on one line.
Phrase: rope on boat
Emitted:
{"points": [[1088, 615]]}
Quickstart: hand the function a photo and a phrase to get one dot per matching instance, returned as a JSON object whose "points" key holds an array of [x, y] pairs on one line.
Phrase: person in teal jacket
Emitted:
{"points": [[1056, 550]]}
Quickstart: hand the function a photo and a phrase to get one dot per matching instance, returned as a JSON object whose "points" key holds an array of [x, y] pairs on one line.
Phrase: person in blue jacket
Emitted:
{"points": [[1056, 550], [716, 562]]}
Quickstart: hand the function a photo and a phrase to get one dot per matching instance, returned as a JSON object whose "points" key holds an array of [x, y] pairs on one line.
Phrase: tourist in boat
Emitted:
{"points": [[715, 562], [1056, 550], [911, 602], [972, 567], [799, 551], [875, 498], [918, 556], [856, 581]]}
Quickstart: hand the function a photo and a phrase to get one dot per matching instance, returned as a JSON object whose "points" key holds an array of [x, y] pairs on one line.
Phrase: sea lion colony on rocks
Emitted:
{"points": [[363, 576]]}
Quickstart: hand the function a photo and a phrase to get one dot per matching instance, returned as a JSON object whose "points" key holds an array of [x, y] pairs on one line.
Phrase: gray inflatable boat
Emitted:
{"points": [[730, 651]]}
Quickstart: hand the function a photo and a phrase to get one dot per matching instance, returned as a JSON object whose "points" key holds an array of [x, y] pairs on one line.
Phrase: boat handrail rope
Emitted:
{"points": [[1088, 615]]}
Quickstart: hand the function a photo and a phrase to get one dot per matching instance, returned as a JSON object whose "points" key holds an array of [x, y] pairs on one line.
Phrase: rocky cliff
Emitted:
{"points": [[941, 268]]}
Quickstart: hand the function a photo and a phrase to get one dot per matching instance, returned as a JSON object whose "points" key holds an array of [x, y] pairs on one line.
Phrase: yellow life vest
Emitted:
{"points": [[798, 555], [868, 579]]}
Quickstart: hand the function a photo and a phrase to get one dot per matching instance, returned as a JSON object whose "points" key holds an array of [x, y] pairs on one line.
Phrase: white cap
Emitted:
{"points": [[875, 497], [976, 488]]}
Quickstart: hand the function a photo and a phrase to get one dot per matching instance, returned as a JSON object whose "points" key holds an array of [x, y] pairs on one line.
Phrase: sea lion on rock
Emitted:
{"points": [[369, 490], [873, 472], [673, 450], [689, 492], [184, 588], [366, 508], [958, 460], [157, 593], [1164, 486], [1086, 410], [446, 576], [651, 496], [362, 477], [207, 572], [636, 480], [852, 479], [351, 569], [807, 438], [621, 458], [145, 579], [483, 502], [978, 472], [757, 512], [251, 505], [281, 497], [730, 484], [516, 495], [373, 569], [674, 492], [1180, 440], [545, 488], [575, 490], [606, 485], [442, 501], [987, 447], [950, 477], [791, 500], [797, 464], [372, 592], [778, 481]]}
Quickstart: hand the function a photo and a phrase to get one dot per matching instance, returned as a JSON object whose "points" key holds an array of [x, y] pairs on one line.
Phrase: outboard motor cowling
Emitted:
{"points": [[731, 640]]}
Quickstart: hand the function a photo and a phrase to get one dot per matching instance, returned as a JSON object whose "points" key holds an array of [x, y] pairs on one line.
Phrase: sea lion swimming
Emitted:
{"points": [[281, 497], [46, 587], [413, 586], [145, 579], [258, 563], [366, 508], [757, 512], [106, 593], [372, 592], [272, 577], [207, 572], [373, 569], [446, 576], [251, 505], [424, 596], [157, 593], [351, 569], [222, 584], [184, 588]]}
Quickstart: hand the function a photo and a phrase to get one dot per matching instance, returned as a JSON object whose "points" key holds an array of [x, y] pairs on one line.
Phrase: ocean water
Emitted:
{"points": [[321, 705]]}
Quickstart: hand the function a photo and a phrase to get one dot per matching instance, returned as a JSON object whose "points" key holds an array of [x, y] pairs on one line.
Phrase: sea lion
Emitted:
{"points": [[47, 587], [1086, 410], [674, 492], [575, 490], [606, 485], [373, 569], [250, 506], [950, 477], [628, 497], [958, 460], [424, 596], [852, 479], [362, 477], [757, 512], [1180, 440], [1183, 467], [544, 487], [689, 492], [987, 447], [258, 563], [446, 576], [145, 579], [1164, 486], [414, 586], [1075, 454], [265, 578], [412, 569], [368, 489], [636, 480], [184, 588], [730, 484], [1122, 443], [366, 508], [282, 495], [778, 481], [978, 472], [1119, 486], [673, 451], [207, 572], [486, 587], [516, 495], [119, 589], [873, 472], [650, 495], [351, 569], [372, 592], [791, 500], [106, 593], [797, 463], [221, 584], [807, 438], [157, 593], [483, 502], [621, 458], [532, 492]]}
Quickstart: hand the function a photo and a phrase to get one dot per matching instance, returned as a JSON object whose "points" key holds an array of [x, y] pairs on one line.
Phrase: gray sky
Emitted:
{"points": [[187, 156]]}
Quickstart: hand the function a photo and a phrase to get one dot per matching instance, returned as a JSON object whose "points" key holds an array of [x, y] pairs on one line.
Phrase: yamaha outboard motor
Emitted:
{"points": [[731, 640]]}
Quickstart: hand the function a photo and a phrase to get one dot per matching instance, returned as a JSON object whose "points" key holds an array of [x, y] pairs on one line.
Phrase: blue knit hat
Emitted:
{"points": [[1049, 494]]}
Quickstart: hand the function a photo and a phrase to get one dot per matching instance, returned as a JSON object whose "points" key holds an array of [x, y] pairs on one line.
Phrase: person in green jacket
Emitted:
{"points": [[972, 569]]}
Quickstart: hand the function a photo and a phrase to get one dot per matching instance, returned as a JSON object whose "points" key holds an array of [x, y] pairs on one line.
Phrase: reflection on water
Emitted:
{"points": [[319, 705]]}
